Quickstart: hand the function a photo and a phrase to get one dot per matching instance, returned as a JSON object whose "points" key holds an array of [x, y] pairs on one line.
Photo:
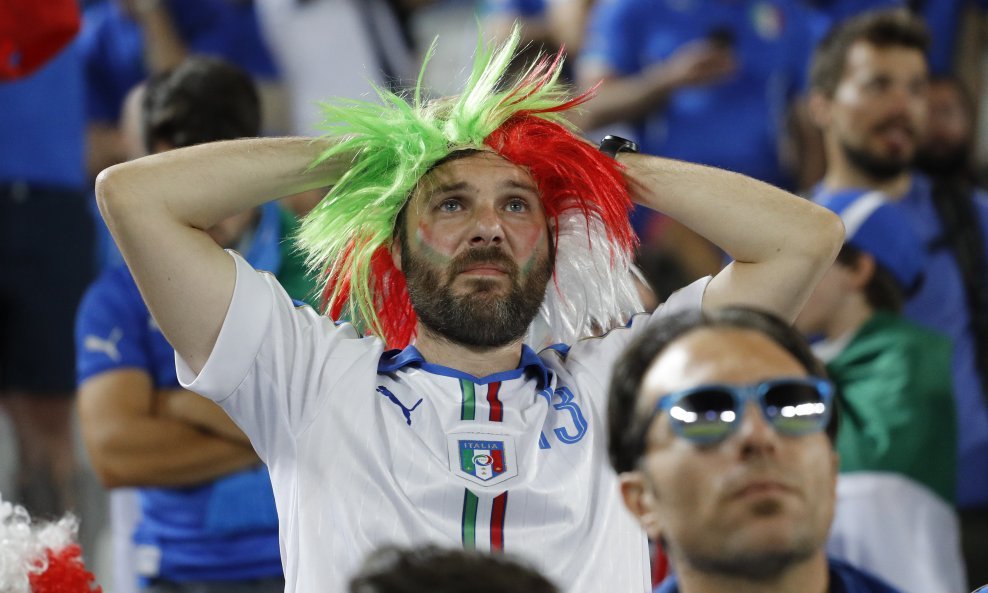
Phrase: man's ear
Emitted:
{"points": [[396, 250], [819, 108], [862, 271], [639, 498]]}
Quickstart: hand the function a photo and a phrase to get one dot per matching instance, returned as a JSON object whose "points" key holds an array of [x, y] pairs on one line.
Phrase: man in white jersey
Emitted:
{"points": [[463, 224]]}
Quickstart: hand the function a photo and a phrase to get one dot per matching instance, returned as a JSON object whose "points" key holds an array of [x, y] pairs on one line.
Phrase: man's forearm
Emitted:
{"points": [[158, 208], [625, 98], [781, 243], [164, 452], [193, 409]]}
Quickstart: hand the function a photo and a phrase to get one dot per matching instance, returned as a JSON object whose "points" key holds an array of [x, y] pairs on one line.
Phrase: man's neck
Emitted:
{"points": [[843, 176], [477, 361], [854, 312], [810, 576]]}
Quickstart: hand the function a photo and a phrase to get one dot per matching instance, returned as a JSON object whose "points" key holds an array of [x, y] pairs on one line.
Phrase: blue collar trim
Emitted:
{"points": [[392, 360]]}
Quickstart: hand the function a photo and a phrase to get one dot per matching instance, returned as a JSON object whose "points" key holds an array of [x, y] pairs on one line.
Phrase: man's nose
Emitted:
{"points": [[487, 227], [756, 437]]}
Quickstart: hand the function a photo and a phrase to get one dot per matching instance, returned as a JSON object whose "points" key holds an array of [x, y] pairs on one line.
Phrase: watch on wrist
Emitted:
{"points": [[611, 145]]}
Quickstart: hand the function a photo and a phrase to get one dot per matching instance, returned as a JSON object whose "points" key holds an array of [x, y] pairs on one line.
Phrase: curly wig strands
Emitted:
{"points": [[348, 234]]}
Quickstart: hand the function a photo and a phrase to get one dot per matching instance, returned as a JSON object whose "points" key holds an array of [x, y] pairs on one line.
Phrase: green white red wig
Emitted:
{"points": [[585, 196]]}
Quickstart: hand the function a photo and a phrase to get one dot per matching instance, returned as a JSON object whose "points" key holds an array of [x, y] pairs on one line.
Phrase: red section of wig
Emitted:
{"points": [[66, 573]]}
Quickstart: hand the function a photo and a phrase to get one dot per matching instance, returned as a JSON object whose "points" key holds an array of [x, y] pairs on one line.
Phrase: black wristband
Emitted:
{"points": [[611, 145]]}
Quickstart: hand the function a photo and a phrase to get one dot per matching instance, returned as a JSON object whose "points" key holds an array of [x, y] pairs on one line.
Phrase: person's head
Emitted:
{"points": [[202, 100], [436, 570], [879, 266], [473, 244], [721, 425], [949, 142], [455, 213], [869, 81]]}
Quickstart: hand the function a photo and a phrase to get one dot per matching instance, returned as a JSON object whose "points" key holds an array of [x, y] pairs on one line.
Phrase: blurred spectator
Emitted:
{"points": [[208, 519], [337, 48], [870, 87], [722, 429], [947, 149], [898, 434], [46, 245], [436, 570], [708, 81], [123, 41]]}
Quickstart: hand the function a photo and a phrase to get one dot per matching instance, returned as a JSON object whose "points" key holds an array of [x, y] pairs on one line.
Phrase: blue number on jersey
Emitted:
{"points": [[579, 422]]}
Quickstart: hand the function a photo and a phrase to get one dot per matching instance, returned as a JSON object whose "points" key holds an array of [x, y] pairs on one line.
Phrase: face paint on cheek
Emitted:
{"points": [[528, 246], [427, 248]]}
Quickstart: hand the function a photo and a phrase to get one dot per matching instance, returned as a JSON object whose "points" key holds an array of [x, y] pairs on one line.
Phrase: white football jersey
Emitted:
{"points": [[367, 448]]}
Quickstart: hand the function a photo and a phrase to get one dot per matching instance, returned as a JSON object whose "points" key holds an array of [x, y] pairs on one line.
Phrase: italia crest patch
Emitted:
{"points": [[484, 459]]}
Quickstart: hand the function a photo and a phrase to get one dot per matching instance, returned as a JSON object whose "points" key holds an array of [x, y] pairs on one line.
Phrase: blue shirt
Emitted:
{"points": [[42, 124], [844, 578], [734, 124], [941, 305], [221, 530], [113, 46], [524, 8]]}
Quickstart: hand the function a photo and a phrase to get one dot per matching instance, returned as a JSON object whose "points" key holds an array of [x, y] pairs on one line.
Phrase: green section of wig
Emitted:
{"points": [[392, 145]]}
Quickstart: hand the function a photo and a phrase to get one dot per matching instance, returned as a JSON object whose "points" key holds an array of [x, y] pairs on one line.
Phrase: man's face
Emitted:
{"points": [[751, 504], [475, 250], [878, 112]]}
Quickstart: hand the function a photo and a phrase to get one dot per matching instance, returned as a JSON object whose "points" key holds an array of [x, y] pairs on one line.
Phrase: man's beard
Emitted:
{"points": [[876, 167], [482, 318], [953, 161]]}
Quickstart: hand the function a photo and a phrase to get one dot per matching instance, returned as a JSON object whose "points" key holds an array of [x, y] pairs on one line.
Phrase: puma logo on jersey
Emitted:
{"points": [[407, 412], [107, 346]]}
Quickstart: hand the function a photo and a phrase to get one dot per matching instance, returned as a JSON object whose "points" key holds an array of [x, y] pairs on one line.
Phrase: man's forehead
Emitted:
{"points": [[471, 171], [864, 56], [717, 355]]}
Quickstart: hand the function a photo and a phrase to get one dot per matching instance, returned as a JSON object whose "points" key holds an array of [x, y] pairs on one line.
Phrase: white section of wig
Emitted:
{"points": [[23, 547], [594, 287]]}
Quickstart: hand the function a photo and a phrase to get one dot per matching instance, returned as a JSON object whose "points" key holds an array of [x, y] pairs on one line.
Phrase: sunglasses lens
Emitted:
{"points": [[796, 408], [704, 415]]}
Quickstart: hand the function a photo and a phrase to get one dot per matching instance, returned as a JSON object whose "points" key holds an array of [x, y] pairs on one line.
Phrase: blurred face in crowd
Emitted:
{"points": [[949, 135], [877, 115], [474, 248], [749, 505]]}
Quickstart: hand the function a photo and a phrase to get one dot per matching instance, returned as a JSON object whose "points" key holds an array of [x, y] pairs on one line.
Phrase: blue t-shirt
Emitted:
{"points": [[524, 8], [844, 578], [941, 305], [113, 47], [221, 530], [42, 125], [734, 124]]}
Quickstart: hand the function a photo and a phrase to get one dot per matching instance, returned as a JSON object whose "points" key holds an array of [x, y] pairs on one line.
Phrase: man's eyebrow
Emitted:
{"points": [[513, 183], [448, 187]]}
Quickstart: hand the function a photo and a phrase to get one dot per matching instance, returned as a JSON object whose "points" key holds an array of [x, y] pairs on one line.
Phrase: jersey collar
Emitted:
{"points": [[393, 360]]}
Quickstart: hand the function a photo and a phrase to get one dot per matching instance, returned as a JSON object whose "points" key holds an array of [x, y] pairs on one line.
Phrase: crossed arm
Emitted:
{"points": [[139, 436]]}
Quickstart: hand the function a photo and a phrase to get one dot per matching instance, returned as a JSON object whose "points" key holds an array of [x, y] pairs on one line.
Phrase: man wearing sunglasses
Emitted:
{"points": [[722, 427]]}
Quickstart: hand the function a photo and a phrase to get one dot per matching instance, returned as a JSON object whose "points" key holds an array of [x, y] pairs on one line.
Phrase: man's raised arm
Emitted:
{"points": [[158, 208], [781, 244]]}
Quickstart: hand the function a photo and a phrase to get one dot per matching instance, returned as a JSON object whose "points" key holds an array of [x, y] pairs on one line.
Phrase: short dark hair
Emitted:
{"points": [[883, 291], [203, 99], [881, 28], [432, 569], [626, 429]]}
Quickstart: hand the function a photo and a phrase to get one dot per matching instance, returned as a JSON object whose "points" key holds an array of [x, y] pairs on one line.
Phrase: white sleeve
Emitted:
{"points": [[274, 364]]}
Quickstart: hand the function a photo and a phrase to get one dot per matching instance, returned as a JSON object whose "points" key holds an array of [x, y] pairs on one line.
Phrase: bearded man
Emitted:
{"points": [[465, 234]]}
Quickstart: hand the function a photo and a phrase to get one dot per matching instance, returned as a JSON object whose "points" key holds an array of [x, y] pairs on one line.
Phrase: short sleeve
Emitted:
{"points": [[275, 364], [111, 329]]}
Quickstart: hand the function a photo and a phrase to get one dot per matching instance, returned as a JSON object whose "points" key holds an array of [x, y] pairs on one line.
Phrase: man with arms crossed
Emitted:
{"points": [[722, 430], [468, 437]]}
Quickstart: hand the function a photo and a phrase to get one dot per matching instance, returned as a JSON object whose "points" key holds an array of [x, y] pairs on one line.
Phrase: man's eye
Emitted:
{"points": [[517, 206], [450, 205]]}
